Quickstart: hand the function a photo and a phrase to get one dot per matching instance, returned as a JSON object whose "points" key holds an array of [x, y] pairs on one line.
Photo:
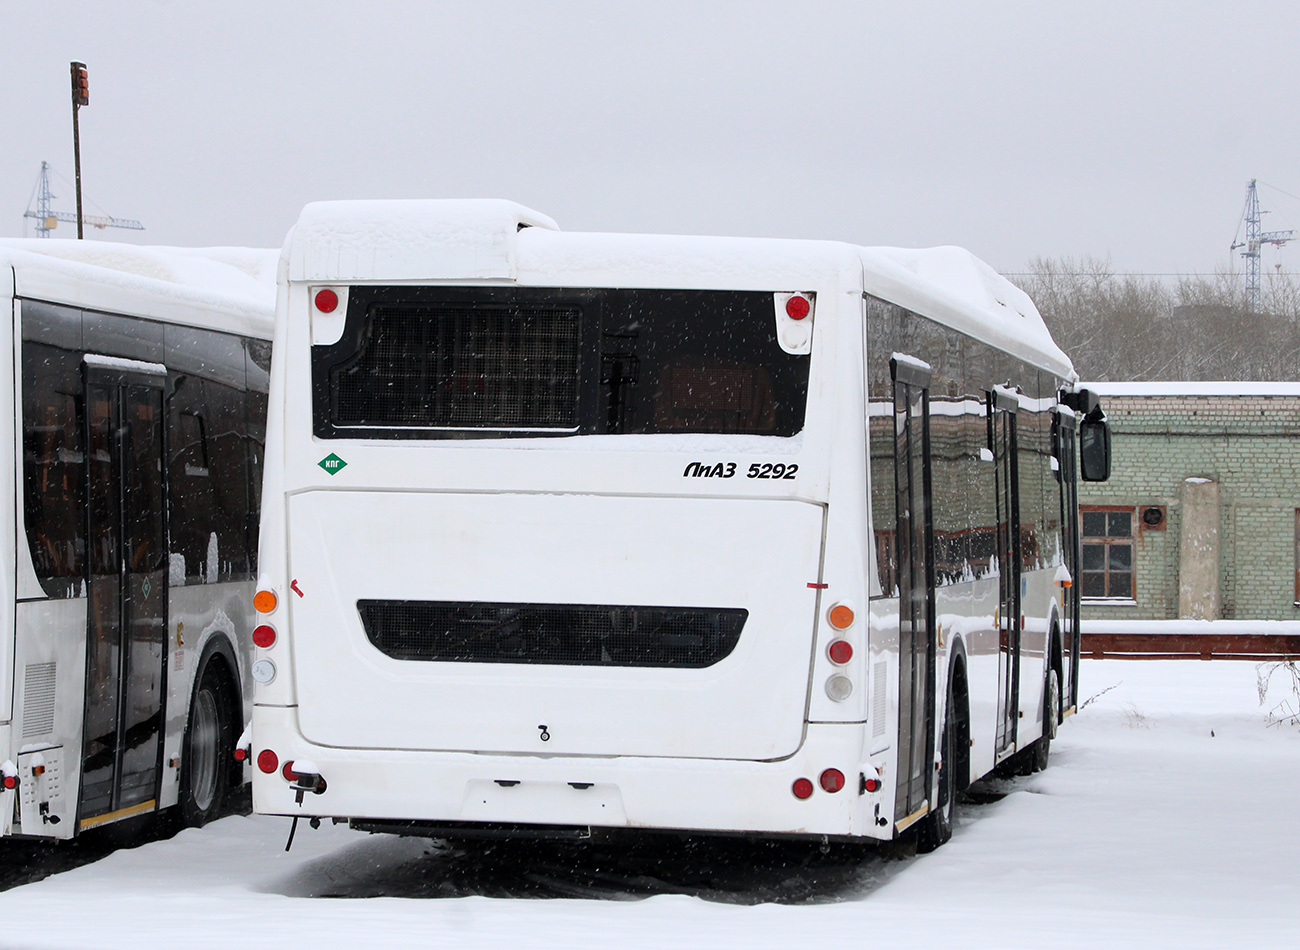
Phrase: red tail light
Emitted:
{"points": [[802, 788], [289, 774], [797, 307], [264, 635], [840, 651], [870, 783], [268, 761], [326, 301], [241, 755], [832, 780], [11, 781]]}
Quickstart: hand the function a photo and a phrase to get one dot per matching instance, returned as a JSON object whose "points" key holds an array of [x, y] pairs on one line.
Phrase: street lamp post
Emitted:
{"points": [[80, 97]]}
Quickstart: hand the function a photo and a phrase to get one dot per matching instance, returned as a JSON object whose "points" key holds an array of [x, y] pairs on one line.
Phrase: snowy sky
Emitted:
{"points": [[1016, 129]]}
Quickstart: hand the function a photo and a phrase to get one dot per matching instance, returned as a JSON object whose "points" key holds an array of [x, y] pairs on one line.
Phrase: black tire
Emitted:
{"points": [[1051, 717], [208, 746], [936, 827]]}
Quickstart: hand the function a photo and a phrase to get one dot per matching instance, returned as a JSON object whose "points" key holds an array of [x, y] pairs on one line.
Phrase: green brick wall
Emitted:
{"points": [[1250, 445]]}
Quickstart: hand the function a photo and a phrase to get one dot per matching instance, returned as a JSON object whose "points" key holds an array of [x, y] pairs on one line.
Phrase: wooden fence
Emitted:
{"points": [[1189, 646]]}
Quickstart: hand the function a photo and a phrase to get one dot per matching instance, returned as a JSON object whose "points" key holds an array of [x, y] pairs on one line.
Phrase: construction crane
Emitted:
{"points": [[1255, 239], [47, 219]]}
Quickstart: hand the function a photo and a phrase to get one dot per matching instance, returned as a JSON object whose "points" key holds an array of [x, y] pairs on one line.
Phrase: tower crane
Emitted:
{"points": [[1255, 239], [48, 219]]}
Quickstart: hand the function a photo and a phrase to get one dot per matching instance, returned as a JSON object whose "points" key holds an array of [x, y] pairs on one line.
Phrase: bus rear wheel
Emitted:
{"points": [[936, 827], [1051, 713], [209, 741]]}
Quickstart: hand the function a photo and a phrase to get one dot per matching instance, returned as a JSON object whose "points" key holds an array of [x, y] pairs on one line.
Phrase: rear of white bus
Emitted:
{"points": [[542, 555]]}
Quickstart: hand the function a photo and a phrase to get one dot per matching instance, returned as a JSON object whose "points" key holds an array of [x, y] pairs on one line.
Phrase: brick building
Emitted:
{"points": [[1201, 516]]}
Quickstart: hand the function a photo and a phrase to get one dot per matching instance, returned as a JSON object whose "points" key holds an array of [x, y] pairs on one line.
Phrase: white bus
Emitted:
{"points": [[564, 531], [136, 380]]}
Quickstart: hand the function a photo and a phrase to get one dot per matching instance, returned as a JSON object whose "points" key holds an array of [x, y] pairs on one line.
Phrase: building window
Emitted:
{"points": [[1107, 535]]}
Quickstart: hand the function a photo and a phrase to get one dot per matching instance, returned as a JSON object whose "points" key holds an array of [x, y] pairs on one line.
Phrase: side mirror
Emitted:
{"points": [[1094, 449]]}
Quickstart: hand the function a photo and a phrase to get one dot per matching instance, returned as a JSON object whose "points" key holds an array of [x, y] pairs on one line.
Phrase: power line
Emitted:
{"points": [[1276, 188]]}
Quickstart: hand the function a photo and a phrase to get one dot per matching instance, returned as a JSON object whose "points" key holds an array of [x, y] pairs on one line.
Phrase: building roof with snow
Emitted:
{"points": [[1196, 388]]}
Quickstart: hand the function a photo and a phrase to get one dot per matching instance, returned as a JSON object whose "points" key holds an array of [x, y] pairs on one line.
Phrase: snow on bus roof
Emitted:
{"points": [[1196, 388], [954, 287], [430, 239], [224, 288], [486, 239]]}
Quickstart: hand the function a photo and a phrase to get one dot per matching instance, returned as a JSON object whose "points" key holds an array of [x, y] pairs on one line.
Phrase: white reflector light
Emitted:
{"points": [[839, 688], [264, 671]]}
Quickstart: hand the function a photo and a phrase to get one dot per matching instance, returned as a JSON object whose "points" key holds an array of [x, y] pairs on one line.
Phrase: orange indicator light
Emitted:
{"points": [[841, 616]]}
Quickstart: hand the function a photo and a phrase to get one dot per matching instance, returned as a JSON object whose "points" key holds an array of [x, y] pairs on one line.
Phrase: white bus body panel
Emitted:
{"points": [[625, 791], [195, 615], [554, 549], [50, 675]]}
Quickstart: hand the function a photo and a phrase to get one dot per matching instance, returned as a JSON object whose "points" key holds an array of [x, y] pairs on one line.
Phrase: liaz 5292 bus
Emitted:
{"points": [[136, 380], [573, 531]]}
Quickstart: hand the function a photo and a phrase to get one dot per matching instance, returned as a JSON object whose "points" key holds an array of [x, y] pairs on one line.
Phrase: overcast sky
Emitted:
{"points": [[1015, 129]]}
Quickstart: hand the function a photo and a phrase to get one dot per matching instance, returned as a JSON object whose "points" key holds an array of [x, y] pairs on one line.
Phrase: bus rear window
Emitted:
{"points": [[491, 362]]}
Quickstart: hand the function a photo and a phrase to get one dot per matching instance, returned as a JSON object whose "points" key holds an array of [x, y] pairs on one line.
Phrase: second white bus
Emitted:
{"points": [[135, 380]]}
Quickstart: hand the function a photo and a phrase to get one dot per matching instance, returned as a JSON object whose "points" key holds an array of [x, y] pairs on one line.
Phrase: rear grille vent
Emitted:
{"points": [[38, 699], [463, 367], [553, 634]]}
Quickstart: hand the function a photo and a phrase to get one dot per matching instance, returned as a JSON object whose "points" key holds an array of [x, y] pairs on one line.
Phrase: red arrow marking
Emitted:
{"points": [[294, 587], [819, 586]]}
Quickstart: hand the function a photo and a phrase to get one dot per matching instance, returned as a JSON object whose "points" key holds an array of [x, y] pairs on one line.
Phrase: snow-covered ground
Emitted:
{"points": [[1168, 818]]}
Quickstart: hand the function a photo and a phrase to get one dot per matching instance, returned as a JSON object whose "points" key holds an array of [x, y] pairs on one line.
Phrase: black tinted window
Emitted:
{"points": [[487, 362], [216, 419]]}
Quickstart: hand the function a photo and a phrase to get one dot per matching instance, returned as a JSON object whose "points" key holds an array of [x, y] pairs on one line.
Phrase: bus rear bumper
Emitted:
{"points": [[705, 795]]}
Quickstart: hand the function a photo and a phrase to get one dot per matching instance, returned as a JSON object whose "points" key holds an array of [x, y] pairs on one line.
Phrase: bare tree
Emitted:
{"points": [[1129, 327]]}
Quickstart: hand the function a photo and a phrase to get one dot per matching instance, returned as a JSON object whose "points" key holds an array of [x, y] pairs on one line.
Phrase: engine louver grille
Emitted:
{"points": [[554, 634], [463, 367], [39, 702]]}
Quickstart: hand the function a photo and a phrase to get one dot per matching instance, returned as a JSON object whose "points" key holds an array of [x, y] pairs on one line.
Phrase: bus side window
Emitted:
{"points": [[257, 367], [191, 490], [208, 464], [230, 479], [53, 496]]}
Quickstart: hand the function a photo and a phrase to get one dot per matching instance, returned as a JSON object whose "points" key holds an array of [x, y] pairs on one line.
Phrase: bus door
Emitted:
{"points": [[916, 646], [1067, 458], [127, 595], [1002, 442]]}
